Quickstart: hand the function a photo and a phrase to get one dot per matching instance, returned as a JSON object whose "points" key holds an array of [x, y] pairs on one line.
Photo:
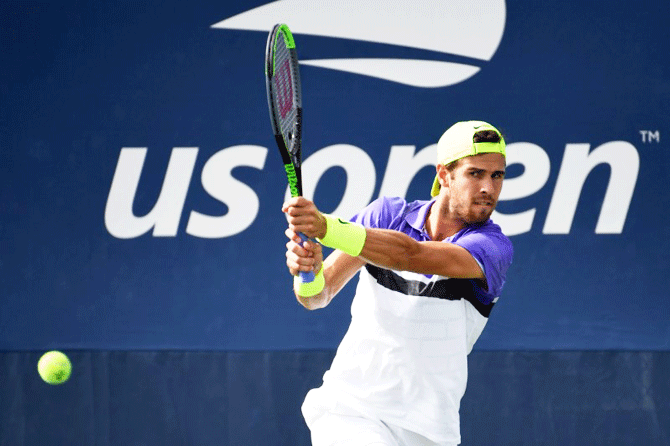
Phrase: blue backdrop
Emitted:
{"points": [[141, 187], [580, 90]]}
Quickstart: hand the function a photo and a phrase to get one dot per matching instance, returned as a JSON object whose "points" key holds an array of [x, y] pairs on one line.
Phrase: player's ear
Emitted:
{"points": [[443, 175]]}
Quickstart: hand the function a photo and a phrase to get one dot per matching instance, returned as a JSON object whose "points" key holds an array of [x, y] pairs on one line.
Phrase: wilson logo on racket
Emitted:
{"points": [[292, 179], [462, 35]]}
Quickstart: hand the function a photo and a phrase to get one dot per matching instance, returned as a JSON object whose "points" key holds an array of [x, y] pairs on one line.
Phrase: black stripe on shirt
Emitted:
{"points": [[449, 289]]}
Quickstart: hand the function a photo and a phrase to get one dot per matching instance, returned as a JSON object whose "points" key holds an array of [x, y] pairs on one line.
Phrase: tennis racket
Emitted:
{"points": [[282, 81]]}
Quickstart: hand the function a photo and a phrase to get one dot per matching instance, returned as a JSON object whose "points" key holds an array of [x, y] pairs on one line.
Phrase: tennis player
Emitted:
{"points": [[430, 273]]}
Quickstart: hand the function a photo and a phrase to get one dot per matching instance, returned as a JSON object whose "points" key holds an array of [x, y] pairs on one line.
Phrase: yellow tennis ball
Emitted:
{"points": [[54, 367]]}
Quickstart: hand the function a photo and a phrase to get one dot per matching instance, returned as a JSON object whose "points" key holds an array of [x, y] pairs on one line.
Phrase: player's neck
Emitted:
{"points": [[440, 223]]}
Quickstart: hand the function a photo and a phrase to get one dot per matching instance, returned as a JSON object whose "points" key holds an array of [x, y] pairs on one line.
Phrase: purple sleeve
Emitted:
{"points": [[381, 213], [494, 253]]}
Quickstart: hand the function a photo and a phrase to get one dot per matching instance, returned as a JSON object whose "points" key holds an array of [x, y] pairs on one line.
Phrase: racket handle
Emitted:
{"points": [[305, 276]]}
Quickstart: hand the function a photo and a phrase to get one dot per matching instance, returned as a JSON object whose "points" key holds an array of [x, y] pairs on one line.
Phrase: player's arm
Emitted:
{"points": [[385, 248], [338, 269], [398, 251]]}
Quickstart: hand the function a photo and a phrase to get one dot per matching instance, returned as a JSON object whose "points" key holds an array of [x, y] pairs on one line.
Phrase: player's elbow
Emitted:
{"points": [[308, 303], [313, 302], [305, 302]]}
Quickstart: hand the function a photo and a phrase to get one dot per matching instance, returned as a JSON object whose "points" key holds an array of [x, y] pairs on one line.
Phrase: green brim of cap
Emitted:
{"points": [[434, 192]]}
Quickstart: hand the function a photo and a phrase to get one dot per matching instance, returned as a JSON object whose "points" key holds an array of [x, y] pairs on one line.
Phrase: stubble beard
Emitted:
{"points": [[471, 216]]}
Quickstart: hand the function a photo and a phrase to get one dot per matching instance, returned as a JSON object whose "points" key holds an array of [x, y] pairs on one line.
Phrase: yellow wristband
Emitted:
{"points": [[344, 235], [309, 289]]}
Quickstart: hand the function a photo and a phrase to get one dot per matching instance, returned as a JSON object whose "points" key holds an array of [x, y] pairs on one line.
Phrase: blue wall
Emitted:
{"points": [[97, 95], [251, 398]]}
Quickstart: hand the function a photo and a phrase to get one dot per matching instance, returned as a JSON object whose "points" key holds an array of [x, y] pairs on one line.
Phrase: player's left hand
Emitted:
{"points": [[304, 217], [302, 256]]}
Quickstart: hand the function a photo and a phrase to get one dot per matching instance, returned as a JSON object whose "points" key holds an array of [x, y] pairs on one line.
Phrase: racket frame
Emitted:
{"points": [[290, 141]]}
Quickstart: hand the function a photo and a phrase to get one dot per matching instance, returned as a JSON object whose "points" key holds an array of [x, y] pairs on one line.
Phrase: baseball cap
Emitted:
{"points": [[458, 142]]}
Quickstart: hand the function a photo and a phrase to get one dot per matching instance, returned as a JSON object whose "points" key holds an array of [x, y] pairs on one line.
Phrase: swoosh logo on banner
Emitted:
{"points": [[467, 28]]}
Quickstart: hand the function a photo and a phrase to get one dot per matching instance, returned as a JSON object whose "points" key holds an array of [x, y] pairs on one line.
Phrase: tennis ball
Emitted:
{"points": [[54, 367]]}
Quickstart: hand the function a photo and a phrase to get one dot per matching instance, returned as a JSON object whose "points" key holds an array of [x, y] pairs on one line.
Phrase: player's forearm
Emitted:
{"points": [[382, 247], [389, 249], [396, 250]]}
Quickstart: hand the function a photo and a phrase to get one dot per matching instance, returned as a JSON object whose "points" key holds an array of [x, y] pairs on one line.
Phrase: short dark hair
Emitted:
{"points": [[486, 136], [480, 136]]}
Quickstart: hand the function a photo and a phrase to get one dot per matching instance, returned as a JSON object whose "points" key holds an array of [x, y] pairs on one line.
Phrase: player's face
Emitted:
{"points": [[475, 186]]}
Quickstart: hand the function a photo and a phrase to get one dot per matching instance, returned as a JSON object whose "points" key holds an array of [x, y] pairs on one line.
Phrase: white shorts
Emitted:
{"points": [[340, 425]]}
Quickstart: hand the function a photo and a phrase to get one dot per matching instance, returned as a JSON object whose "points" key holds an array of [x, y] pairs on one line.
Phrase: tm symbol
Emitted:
{"points": [[649, 136]]}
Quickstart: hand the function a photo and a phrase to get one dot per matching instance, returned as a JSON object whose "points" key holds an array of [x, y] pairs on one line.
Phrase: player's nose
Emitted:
{"points": [[486, 186]]}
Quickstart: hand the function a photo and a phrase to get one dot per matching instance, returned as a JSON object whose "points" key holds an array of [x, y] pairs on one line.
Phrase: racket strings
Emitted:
{"points": [[284, 79]]}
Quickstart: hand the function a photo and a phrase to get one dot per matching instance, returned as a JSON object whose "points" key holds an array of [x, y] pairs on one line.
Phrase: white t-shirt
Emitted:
{"points": [[403, 359]]}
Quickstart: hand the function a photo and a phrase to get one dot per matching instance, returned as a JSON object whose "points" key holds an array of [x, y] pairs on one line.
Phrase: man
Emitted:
{"points": [[430, 272]]}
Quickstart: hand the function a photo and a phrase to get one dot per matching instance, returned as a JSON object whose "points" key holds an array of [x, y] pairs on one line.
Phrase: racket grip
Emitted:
{"points": [[305, 276]]}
